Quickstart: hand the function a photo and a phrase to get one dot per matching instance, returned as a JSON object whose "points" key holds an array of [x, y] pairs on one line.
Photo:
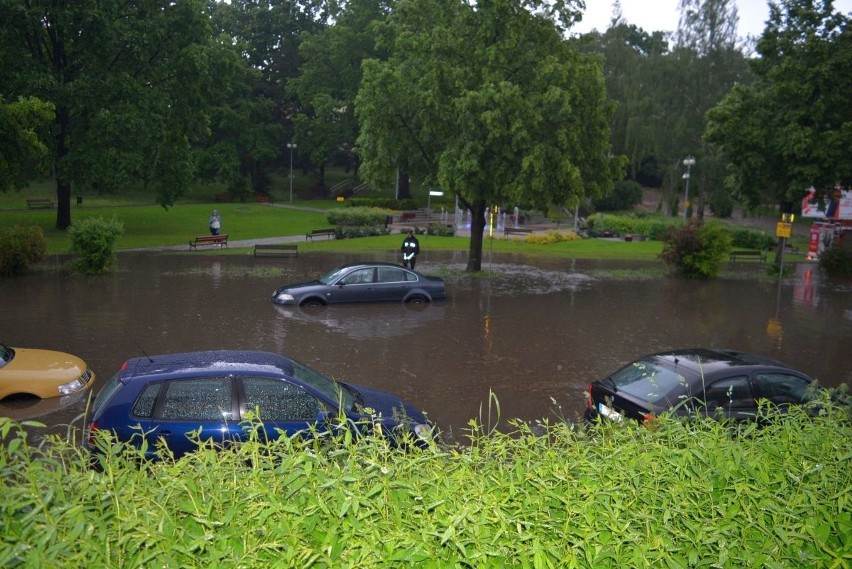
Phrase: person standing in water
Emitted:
{"points": [[410, 248]]}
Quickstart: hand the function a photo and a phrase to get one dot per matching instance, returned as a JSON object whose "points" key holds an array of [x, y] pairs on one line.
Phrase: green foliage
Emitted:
{"points": [[551, 236], [350, 232], [654, 228], [696, 250], [22, 152], [625, 195], [93, 243], [746, 238], [358, 217], [20, 247], [721, 203], [384, 203], [836, 261], [440, 230], [677, 494], [789, 130]]}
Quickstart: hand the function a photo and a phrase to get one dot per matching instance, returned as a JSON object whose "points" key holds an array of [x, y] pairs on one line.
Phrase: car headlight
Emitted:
{"points": [[71, 387], [285, 297]]}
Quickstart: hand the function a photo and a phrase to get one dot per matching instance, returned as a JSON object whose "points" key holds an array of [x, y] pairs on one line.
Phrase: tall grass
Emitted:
{"points": [[679, 494]]}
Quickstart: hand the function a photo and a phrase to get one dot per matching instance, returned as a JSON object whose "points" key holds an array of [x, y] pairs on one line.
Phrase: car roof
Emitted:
{"points": [[711, 361], [216, 361], [370, 264]]}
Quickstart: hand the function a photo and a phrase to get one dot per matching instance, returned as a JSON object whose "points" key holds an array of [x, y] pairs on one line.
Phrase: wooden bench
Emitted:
{"points": [[36, 203], [318, 232], [750, 255], [263, 198], [215, 240], [516, 231], [276, 250]]}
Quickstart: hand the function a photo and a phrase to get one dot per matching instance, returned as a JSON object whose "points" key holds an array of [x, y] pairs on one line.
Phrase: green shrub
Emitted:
{"points": [[696, 250], [93, 242], [20, 247], [440, 230], [720, 203], [745, 238], [551, 236], [350, 232], [384, 203], [836, 261], [358, 217], [654, 228], [625, 194], [675, 494]]}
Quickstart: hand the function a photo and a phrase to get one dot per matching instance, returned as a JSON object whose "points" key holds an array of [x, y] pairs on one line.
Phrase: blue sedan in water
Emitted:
{"points": [[363, 282], [166, 399]]}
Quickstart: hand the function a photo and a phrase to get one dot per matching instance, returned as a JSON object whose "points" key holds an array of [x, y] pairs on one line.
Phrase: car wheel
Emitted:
{"points": [[417, 299], [313, 303]]}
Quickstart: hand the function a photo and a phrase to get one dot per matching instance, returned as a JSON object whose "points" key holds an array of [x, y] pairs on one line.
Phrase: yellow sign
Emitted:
{"points": [[784, 230]]}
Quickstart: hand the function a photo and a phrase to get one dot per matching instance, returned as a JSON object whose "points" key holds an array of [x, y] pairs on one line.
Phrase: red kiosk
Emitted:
{"points": [[834, 219]]}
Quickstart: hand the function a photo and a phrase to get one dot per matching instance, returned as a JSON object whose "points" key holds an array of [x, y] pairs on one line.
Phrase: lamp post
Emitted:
{"points": [[689, 162], [291, 146]]}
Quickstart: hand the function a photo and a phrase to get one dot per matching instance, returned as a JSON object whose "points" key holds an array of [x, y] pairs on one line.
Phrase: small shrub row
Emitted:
{"points": [[20, 248], [358, 216], [745, 238], [383, 203], [440, 230], [351, 232], [653, 228], [551, 236]]}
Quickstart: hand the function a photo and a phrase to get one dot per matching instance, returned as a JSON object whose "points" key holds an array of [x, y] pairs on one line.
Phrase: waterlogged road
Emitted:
{"points": [[526, 338]]}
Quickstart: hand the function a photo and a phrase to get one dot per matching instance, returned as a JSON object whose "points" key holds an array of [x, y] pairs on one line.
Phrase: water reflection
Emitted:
{"points": [[532, 331]]}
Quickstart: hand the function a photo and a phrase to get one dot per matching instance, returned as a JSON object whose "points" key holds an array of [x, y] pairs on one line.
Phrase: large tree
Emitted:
{"points": [[128, 81], [792, 128], [489, 102]]}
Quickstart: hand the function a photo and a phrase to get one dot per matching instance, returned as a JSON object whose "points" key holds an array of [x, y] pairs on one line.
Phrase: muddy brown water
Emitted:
{"points": [[534, 333]]}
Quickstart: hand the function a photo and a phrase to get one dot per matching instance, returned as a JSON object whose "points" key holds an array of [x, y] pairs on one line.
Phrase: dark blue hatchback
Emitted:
{"points": [[218, 394]]}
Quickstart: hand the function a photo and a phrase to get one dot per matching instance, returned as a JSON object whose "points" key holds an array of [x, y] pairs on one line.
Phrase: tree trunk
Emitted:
{"points": [[403, 182], [477, 231]]}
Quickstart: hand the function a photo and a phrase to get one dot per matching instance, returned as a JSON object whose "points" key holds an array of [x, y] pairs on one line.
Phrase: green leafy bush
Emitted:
{"points": [[384, 203], [351, 232], [440, 230], [745, 238], [836, 261], [654, 228], [696, 250], [551, 236], [721, 203], [93, 243], [358, 217], [21, 247], [675, 494], [625, 194]]}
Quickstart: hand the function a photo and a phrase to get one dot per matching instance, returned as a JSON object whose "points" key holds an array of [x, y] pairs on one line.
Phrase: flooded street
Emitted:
{"points": [[534, 331]]}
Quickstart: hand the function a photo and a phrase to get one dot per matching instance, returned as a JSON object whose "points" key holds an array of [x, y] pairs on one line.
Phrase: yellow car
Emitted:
{"points": [[41, 373]]}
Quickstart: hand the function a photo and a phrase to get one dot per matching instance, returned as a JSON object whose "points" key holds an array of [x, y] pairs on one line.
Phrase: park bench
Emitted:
{"points": [[516, 231], [791, 249], [263, 198], [215, 240], [35, 203], [276, 250], [749, 255], [318, 232]]}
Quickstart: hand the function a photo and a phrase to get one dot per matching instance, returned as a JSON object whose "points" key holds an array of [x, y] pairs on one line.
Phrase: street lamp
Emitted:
{"points": [[689, 162], [291, 146]]}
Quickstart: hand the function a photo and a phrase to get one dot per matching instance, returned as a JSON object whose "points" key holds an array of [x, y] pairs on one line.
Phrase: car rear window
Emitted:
{"points": [[648, 381]]}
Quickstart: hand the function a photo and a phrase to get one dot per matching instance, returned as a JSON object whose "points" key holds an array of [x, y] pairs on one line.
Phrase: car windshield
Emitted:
{"points": [[327, 386], [332, 275], [6, 355], [647, 381]]}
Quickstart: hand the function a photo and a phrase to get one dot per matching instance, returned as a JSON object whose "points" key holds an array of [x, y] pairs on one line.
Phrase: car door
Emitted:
{"points": [[731, 397], [782, 388], [280, 406], [391, 283], [187, 411], [356, 286]]}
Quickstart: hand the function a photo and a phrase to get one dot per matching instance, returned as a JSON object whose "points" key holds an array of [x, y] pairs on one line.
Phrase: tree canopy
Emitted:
{"points": [[792, 128], [488, 102]]}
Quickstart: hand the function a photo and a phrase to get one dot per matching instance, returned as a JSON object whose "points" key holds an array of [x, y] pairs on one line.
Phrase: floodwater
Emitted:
{"points": [[533, 332]]}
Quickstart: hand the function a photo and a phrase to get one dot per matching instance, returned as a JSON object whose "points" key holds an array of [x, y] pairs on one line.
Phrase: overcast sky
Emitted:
{"points": [[654, 15]]}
